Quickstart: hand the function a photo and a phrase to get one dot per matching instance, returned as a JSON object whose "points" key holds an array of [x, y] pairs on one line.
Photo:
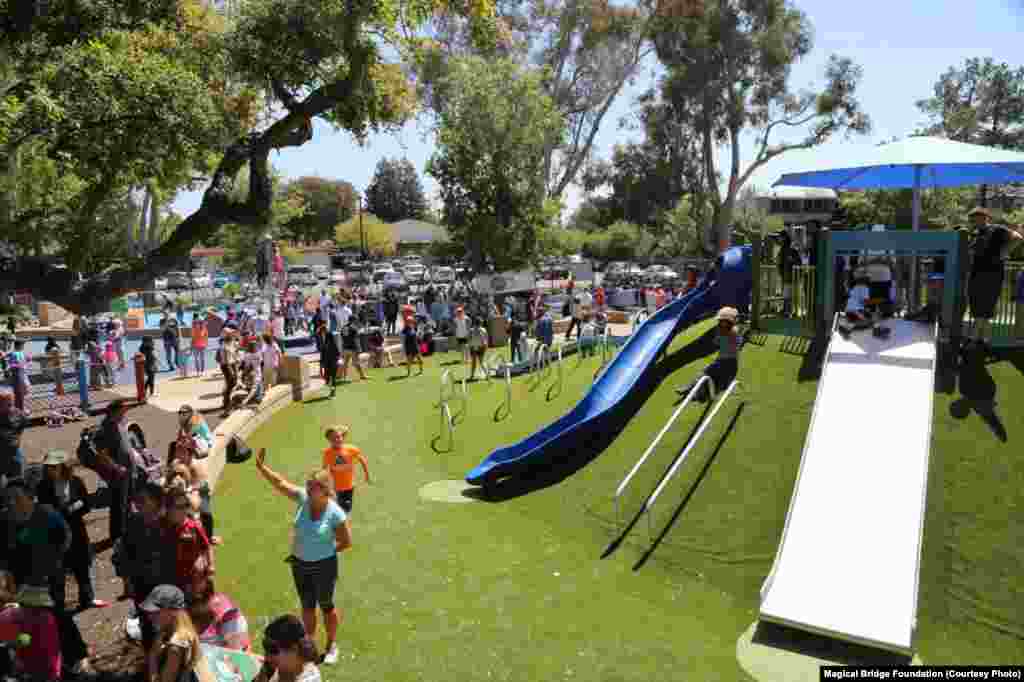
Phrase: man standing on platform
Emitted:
{"points": [[989, 249]]}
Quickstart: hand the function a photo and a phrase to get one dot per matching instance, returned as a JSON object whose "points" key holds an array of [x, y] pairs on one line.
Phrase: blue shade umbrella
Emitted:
{"points": [[915, 163]]}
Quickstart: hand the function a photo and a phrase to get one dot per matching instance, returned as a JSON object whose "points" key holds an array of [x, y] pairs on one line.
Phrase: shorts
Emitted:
{"points": [[411, 351], [345, 500], [983, 293], [476, 352], [461, 340], [315, 582]]}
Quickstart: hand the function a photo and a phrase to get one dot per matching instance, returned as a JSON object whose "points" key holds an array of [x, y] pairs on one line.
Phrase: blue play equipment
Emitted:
{"points": [[729, 282]]}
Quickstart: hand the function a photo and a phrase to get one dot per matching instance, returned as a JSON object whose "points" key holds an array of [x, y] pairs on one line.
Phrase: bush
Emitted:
{"points": [[19, 312]]}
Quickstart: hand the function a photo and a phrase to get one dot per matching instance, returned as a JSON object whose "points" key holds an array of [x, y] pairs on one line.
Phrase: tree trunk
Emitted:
{"points": [[139, 244], [153, 240]]}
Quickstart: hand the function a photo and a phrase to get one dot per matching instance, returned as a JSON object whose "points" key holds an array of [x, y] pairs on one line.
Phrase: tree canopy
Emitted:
{"points": [[491, 138], [379, 236], [396, 193], [118, 95], [327, 202]]}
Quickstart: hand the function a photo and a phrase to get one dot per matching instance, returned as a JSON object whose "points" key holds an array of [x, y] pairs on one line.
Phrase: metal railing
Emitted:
{"points": [[654, 443], [541, 360], [679, 460], [1008, 320], [447, 418]]}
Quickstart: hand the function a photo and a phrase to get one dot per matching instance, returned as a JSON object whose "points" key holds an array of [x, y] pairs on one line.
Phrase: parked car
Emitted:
{"points": [[201, 280], [220, 280], [178, 280], [415, 274], [160, 283], [443, 275], [661, 273], [338, 277], [393, 280], [380, 272], [302, 276], [322, 272]]}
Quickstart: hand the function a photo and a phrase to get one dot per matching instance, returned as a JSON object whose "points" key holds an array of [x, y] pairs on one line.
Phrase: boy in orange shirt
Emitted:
{"points": [[340, 460]]}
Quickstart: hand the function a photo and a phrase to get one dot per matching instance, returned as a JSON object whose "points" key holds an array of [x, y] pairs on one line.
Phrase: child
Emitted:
{"points": [[427, 331], [856, 305], [110, 361], [98, 369], [461, 323], [477, 348], [411, 346], [340, 460], [184, 364], [148, 351], [350, 351], [377, 354], [192, 551], [588, 337], [724, 369], [253, 364]]}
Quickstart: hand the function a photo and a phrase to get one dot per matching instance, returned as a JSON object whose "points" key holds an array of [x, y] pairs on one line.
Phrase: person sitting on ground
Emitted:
{"points": [[67, 493], [177, 655], [478, 343], [856, 304], [218, 620], [193, 425], [723, 370], [411, 346], [289, 653]]}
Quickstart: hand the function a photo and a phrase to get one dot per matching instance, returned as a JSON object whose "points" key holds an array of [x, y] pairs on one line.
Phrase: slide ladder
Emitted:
{"points": [[849, 559]]}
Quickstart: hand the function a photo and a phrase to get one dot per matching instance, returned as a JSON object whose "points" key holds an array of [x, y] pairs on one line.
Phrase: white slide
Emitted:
{"points": [[847, 566]]}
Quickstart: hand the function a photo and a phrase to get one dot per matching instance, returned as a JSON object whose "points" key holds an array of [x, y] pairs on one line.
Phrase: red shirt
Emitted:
{"points": [[190, 544]]}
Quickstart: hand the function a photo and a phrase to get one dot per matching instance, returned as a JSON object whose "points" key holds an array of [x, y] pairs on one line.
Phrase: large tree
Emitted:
{"points": [[491, 134], [980, 102], [150, 99], [728, 68], [327, 202], [591, 50], [396, 193]]}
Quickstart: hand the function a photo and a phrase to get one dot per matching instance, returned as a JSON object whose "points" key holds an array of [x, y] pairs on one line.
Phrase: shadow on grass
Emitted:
{"points": [[552, 393], [316, 400], [824, 648], [502, 413], [693, 488], [584, 444], [399, 377]]}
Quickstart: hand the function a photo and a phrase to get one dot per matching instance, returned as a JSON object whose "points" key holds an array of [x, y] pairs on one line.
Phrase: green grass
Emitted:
{"points": [[516, 591]]}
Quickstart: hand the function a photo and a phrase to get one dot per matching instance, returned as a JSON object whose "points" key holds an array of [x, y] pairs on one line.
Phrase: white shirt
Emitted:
{"points": [[343, 315], [270, 356], [858, 297], [278, 325], [461, 327], [586, 299]]}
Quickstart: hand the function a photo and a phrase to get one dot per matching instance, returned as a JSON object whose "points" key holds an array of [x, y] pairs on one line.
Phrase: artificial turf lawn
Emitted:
{"points": [[515, 590]]}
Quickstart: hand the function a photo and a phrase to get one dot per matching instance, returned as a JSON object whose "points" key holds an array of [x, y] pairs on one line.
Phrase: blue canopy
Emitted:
{"points": [[914, 163]]}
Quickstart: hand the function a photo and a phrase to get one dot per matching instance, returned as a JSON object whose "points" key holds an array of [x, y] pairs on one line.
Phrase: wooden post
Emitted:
{"points": [[755, 273]]}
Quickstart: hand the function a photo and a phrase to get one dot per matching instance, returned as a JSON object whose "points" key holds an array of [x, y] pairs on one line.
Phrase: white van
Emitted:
{"points": [[302, 276]]}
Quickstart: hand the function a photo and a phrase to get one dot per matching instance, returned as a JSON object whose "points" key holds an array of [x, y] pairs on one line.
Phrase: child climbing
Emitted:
{"points": [[723, 370]]}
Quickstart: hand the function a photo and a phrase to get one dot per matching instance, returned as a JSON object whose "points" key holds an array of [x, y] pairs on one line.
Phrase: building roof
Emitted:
{"points": [[417, 232]]}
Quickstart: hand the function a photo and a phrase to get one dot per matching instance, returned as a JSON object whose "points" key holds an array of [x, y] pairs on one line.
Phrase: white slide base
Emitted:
{"points": [[847, 566]]}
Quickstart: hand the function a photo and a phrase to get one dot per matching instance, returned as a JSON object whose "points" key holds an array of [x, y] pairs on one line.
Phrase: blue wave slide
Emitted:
{"points": [[728, 283]]}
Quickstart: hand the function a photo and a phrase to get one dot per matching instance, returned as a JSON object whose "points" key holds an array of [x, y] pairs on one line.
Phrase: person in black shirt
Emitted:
{"points": [[330, 354], [988, 251], [114, 441]]}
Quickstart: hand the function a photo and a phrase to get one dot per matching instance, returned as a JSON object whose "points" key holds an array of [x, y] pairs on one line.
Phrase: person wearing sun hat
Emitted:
{"points": [[289, 653], [177, 654], [67, 493], [725, 367], [989, 250]]}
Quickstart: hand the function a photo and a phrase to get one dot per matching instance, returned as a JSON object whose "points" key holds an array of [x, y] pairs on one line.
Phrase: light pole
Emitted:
{"points": [[362, 237]]}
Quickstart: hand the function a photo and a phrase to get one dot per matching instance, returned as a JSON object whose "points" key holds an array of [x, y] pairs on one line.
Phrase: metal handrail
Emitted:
{"points": [[704, 424], [766, 585], [540, 358], [657, 440], [508, 386], [561, 376], [448, 424], [446, 380]]}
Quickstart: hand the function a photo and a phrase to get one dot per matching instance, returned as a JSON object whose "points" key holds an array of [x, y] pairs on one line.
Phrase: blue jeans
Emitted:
{"points": [[171, 351]]}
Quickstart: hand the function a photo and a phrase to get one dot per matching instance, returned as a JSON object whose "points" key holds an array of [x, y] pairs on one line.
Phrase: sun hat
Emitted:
{"points": [[729, 314], [164, 597], [56, 457], [34, 596]]}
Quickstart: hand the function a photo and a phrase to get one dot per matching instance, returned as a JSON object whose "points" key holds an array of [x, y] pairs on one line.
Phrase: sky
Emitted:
{"points": [[903, 47]]}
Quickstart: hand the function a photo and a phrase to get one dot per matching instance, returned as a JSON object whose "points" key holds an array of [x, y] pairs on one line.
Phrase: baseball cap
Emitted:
{"points": [[164, 597]]}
